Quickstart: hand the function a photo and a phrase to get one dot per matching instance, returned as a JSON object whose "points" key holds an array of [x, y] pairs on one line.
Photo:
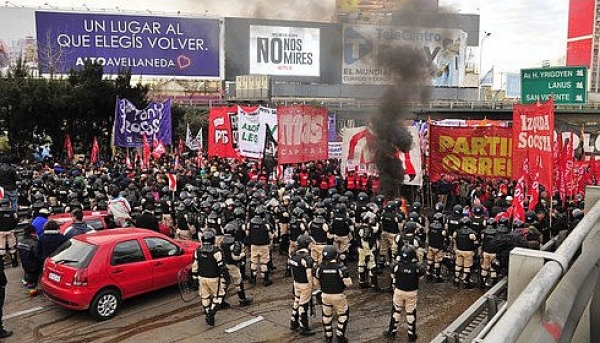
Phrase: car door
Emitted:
{"points": [[167, 260], [130, 269]]}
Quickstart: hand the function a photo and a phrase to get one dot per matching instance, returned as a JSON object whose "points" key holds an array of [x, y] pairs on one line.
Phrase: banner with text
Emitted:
{"points": [[157, 46], [335, 150], [220, 133], [252, 128], [357, 156], [533, 140], [478, 151], [131, 124], [302, 134], [445, 49], [288, 51]]}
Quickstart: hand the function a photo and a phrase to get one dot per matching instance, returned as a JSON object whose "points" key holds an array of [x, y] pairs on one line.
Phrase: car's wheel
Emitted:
{"points": [[106, 304]]}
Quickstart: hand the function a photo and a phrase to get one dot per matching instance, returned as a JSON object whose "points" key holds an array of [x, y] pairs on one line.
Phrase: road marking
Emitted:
{"points": [[21, 313], [245, 324]]}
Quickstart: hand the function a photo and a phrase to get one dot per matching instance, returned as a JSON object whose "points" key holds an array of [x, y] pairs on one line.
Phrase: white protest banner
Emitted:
{"points": [[252, 130]]}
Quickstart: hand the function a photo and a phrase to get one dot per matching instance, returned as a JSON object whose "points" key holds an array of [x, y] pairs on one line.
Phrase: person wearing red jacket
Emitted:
{"points": [[304, 178], [364, 182], [324, 186], [375, 185], [351, 181]]}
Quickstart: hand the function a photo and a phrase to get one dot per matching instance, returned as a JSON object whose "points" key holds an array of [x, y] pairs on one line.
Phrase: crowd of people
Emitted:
{"points": [[329, 227]]}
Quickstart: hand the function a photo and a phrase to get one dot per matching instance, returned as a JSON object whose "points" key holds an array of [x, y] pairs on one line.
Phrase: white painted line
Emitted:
{"points": [[22, 313], [245, 324]]}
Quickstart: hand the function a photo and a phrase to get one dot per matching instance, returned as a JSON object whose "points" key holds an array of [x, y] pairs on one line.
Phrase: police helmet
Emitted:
{"points": [[239, 213], [577, 213], [362, 197], [330, 253], [438, 217], [408, 253], [436, 225], [413, 216], [331, 192], [229, 229], [216, 207], [390, 207], [380, 199], [208, 237], [416, 206], [260, 211], [457, 210], [478, 210], [465, 221], [530, 217], [321, 212], [517, 223], [492, 222], [349, 195], [304, 241], [410, 227], [439, 207], [298, 212]]}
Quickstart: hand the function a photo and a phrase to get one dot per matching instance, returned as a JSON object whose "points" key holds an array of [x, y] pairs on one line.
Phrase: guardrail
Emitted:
{"points": [[480, 317]]}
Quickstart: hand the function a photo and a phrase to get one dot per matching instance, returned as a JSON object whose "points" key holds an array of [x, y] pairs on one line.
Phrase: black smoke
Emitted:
{"points": [[412, 75]]}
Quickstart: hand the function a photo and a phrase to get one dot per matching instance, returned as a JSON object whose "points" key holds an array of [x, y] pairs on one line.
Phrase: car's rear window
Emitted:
{"points": [[96, 224], [74, 253]]}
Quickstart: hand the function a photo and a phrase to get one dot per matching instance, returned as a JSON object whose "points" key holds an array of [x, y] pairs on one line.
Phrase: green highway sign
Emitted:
{"points": [[568, 84]]}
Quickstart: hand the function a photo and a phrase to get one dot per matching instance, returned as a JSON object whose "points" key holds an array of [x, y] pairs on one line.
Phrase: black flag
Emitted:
{"points": [[269, 151]]}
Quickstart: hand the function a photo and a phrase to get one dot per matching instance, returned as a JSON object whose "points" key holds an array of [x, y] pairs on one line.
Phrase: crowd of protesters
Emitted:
{"points": [[463, 224]]}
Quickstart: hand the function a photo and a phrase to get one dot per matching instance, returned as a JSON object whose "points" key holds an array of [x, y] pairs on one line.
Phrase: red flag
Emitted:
{"points": [[68, 147], [145, 152], [159, 150], [172, 182], [568, 173], [592, 171], [181, 147], [95, 151], [534, 191]]}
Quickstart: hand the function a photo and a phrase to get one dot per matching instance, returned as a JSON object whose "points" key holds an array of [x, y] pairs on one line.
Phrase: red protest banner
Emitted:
{"points": [[220, 133], [302, 134], [483, 151], [533, 141]]}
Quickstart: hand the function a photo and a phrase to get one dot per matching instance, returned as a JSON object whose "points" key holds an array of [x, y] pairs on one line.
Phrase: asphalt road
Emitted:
{"points": [[163, 317]]}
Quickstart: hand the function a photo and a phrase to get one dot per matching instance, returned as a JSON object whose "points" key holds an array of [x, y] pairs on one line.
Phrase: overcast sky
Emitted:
{"points": [[524, 32]]}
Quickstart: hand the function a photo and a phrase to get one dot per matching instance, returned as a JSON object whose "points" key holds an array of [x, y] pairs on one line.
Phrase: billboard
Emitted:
{"points": [[581, 18], [445, 48], [278, 50], [384, 5], [153, 46]]}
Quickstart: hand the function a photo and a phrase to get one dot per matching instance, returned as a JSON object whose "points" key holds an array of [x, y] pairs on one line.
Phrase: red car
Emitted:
{"points": [[97, 271]]}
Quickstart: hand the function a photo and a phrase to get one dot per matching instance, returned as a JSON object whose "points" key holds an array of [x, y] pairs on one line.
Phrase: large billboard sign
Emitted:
{"points": [[289, 51], [153, 46], [445, 49]]}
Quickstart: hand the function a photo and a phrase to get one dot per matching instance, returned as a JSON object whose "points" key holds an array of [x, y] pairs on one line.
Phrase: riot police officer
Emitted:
{"points": [[466, 241], [390, 227], [437, 240], [260, 237], [8, 222], [534, 235], [233, 254], [283, 219], [214, 221], [478, 222], [341, 228], [405, 278], [367, 249], [210, 268], [301, 266], [488, 236], [334, 278], [318, 230]]}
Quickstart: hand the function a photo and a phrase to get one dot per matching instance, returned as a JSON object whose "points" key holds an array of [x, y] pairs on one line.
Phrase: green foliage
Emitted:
{"points": [[38, 110]]}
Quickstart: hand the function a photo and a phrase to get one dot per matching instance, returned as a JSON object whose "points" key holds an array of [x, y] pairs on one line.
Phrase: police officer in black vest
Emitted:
{"points": [[8, 240], [405, 278], [302, 271], [334, 278], [260, 239], [210, 268], [319, 230], [466, 240], [233, 253], [488, 236], [437, 240]]}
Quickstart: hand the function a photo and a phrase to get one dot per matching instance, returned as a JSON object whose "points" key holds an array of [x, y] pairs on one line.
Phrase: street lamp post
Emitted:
{"points": [[486, 35]]}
